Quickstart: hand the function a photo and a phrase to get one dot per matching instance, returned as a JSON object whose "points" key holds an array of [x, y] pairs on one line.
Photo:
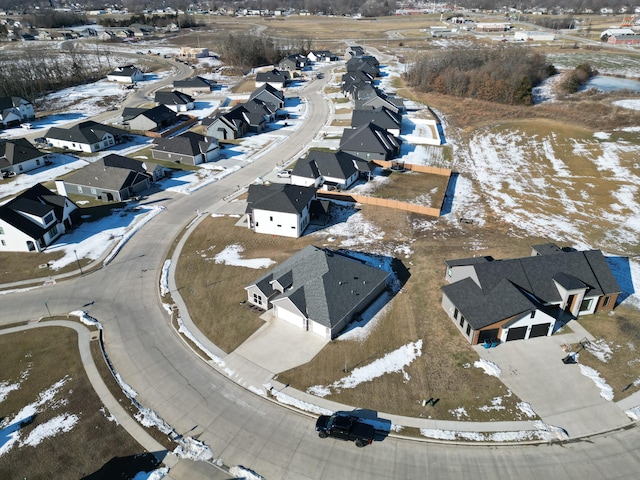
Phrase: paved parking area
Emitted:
{"points": [[560, 394]]}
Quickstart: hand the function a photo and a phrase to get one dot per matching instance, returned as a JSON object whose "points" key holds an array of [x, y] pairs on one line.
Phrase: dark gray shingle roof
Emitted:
{"points": [[279, 197]]}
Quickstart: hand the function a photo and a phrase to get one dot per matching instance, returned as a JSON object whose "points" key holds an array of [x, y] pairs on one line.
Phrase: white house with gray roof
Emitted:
{"points": [[318, 290], [279, 209], [527, 297], [86, 136], [189, 147], [19, 156], [126, 74], [34, 219]]}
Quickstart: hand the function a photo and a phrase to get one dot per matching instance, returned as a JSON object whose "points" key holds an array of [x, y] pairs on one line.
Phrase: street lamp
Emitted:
{"points": [[79, 266]]}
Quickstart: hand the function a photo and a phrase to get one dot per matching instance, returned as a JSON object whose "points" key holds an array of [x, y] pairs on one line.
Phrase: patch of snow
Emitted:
{"points": [[606, 391], [602, 135], [192, 449], [239, 471], [294, 402], [164, 277], [600, 349], [231, 256], [84, 317], [6, 388], [631, 103], [392, 362], [157, 474], [459, 413], [489, 367], [319, 390], [60, 423], [525, 408], [634, 413]]}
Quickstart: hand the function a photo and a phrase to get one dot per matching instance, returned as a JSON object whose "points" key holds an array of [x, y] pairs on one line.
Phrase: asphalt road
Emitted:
{"points": [[242, 428]]}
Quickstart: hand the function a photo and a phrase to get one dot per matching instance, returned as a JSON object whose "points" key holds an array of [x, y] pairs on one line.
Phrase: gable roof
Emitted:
{"points": [[325, 285], [13, 152], [269, 94], [535, 278], [279, 197], [381, 116], [37, 200], [112, 172], [369, 138], [158, 114], [88, 132], [125, 71], [275, 75], [174, 97], [12, 102], [328, 164], [187, 143], [194, 82]]}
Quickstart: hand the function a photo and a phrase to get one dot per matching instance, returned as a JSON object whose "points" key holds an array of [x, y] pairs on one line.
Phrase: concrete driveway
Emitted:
{"points": [[560, 394]]}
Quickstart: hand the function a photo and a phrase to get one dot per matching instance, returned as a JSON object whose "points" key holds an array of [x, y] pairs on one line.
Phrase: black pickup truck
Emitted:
{"points": [[345, 427]]}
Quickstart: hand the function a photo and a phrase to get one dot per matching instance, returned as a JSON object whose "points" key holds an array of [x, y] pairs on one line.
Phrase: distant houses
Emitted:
{"points": [[153, 119], [278, 79], [175, 100]]}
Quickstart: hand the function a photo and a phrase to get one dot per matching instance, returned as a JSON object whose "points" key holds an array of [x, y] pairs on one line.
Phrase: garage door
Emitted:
{"points": [[539, 330], [517, 333]]}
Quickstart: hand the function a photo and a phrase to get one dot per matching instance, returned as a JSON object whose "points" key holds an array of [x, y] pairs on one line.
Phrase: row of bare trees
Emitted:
{"points": [[37, 71], [504, 74], [247, 51]]}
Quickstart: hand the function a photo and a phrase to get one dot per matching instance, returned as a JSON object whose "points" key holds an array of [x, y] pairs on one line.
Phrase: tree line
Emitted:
{"points": [[247, 51], [504, 74]]}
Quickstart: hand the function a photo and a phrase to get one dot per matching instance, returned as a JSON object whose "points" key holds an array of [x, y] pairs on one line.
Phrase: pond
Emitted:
{"points": [[605, 83]]}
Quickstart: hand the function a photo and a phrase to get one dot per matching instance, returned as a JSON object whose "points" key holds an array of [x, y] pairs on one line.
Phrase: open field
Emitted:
{"points": [[90, 443]]}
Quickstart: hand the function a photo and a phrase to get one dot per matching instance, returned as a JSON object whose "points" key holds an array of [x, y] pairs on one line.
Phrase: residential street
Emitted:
{"points": [[240, 427]]}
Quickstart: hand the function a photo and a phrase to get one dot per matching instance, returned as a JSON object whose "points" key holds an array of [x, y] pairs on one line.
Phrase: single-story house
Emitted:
{"points": [[279, 209], [269, 95], [126, 74], [359, 90], [293, 62], [113, 178], [194, 85], [34, 219], [319, 290], [86, 136], [189, 147], [149, 119], [175, 100], [381, 116], [370, 142], [223, 127], [355, 51], [251, 115], [276, 78], [19, 156], [15, 110], [318, 56], [366, 63], [527, 297], [329, 169], [395, 104]]}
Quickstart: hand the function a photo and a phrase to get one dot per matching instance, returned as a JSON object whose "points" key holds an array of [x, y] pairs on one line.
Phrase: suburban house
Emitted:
{"points": [[175, 100], [319, 290], [292, 63], [153, 119], [34, 219], [279, 209], [359, 90], [126, 74], [15, 110], [113, 178], [329, 169], [86, 136], [276, 78], [19, 156], [253, 117], [189, 147], [355, 51], [381, 116], [527, 297], [194, 85], [366, 63], [356, 77], [395, 104], [256, 106], [269, 95], [318, 56], [222, 127], [370, 142]]}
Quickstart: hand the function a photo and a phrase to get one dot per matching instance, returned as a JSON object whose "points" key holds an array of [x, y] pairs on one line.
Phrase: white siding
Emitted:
{"points": [[276, 223], [14, 239], [324, 332], [288, 316]]}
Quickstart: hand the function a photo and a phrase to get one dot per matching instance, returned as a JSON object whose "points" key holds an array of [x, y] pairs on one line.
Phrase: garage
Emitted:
{"points": [[488, 334], [517, 333], [540, 330]]}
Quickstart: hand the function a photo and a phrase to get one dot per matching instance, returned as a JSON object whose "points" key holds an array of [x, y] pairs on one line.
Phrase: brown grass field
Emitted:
{"points": [[93, 441]]}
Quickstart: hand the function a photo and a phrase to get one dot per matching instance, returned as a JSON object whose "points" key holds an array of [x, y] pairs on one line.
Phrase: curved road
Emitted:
{"points": [[242, 428]]}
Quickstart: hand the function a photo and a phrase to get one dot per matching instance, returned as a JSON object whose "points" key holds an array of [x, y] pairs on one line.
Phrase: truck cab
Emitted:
{"points": [[345, 427]]}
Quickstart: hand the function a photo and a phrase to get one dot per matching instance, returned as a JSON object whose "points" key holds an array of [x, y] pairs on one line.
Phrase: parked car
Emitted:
{"points": [[284, 173], [345, 427], [28, 126]]}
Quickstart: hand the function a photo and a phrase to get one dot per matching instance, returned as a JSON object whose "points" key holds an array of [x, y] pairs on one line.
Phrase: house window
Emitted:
{"points": [[20, 168], [93, 191], [604, 303], [271, 219], [257, 299], [461, 321], [48, 219], [37, 161], [533, 314], [2, 233], [449, 271], [455, 313], [586, 305], [3, 243], [468, 330], [79, 189], [53, 232]]}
